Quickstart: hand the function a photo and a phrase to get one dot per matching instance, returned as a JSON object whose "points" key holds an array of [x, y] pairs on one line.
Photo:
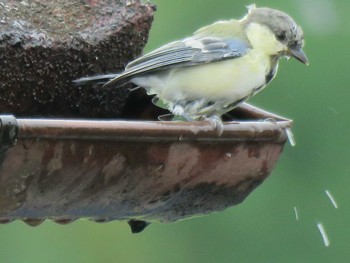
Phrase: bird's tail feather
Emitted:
{"points": [[99, 79], [117, 81]]}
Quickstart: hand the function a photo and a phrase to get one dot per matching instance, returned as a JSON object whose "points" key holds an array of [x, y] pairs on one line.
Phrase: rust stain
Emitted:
{"points": [[253, 150], [113, 167]]}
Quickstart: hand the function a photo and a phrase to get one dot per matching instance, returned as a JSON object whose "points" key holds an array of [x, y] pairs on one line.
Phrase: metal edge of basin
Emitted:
{"points": [[105, 170]]}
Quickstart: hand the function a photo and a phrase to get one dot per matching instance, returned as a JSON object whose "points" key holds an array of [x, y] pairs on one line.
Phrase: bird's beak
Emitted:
{"points": [[299, 54]]}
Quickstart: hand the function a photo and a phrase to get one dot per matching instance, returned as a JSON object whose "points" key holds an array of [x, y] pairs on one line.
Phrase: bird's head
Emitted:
{"points": [[275, 32]]}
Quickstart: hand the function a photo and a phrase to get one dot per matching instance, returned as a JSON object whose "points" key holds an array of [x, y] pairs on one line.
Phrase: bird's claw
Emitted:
{"points": [[216, 123]]}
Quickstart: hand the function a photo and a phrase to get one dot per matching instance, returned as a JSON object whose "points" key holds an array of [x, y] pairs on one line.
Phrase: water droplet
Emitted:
{"points": [[323, 234], [296, 213], [290, 136], [331, 198]]}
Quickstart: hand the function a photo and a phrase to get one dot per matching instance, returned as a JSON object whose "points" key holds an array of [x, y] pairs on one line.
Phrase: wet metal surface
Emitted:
{"points": [[153, 171]]}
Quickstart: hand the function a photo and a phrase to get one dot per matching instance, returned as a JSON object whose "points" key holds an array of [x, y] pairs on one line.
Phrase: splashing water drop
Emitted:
{"points": [[331, 198], [296, 213], [323, 234], [290, 136]]}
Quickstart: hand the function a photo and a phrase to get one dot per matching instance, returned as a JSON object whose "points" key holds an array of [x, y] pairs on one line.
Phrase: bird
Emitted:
{"points": [[206, 75]]}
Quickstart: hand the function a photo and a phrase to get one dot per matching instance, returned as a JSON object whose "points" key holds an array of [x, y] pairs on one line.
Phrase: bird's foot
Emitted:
{"points": [[178, 110], [179, 114], [216, 122]]}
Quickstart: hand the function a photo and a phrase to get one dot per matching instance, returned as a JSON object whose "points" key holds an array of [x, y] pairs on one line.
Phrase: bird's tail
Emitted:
{"points": [[99, 79]]}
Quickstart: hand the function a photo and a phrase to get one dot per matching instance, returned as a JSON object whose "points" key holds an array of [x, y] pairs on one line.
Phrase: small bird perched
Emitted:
{"points": [[217, 68]]}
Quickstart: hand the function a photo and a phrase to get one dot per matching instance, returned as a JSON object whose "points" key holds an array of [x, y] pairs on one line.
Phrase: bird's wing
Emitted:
{"points": [[188, 52]]}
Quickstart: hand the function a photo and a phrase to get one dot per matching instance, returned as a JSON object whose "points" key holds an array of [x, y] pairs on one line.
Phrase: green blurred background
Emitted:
{"points": [[264, 227]]}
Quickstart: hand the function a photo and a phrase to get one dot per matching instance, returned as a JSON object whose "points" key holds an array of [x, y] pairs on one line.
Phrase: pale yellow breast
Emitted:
{"points": [[230, 79]]}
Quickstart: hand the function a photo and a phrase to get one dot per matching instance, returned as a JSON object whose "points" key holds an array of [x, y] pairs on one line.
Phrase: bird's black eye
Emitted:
{"points": [[281, 36]]}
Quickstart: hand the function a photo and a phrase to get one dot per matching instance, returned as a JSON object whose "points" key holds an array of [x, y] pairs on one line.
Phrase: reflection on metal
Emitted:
{"points": [[8, 131], [133, 170]]}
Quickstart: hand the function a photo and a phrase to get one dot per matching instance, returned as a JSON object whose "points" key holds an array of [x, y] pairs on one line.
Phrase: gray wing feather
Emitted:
{"points": [[189, 52]]}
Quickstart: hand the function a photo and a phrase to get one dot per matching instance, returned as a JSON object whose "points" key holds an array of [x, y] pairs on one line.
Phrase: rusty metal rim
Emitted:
{"points": [[270, 128], [109, 130]]}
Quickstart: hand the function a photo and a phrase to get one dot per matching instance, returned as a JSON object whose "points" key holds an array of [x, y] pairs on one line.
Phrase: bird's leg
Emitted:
{"points": [[216, 122], [179, 111]]}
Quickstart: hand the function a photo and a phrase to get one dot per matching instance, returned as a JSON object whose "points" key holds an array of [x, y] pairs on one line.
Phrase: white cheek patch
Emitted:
{"points": [[263, 39]]}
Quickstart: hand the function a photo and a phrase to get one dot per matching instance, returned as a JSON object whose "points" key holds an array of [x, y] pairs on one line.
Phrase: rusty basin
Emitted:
{"points": [[105, 170]]}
